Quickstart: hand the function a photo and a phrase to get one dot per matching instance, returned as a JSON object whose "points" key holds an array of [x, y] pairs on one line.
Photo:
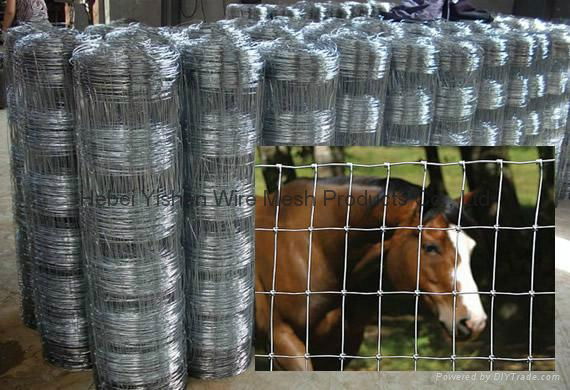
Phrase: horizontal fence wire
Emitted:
{"points": [[382, 229]]}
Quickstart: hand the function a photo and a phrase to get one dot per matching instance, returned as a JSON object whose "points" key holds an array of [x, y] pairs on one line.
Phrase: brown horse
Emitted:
{"points": [[330, 273]]}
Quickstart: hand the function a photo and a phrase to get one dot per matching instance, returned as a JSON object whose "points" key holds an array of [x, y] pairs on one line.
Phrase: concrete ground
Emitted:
{"points": [[22, 367]]}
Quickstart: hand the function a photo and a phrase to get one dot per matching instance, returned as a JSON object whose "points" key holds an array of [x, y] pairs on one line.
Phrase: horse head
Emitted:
{"points": [[445, 265]]}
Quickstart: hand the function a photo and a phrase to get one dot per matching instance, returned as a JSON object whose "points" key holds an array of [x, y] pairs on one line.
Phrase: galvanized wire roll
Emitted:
{"points": [[223, 83], [314, 31], [131, 208], [312, 11], [495, 74], [379, 7], [288, 11], [411, 92], [51, 190], [558, 80], [359, 9], [458, 92], [247, 11], [537, 89], [374, 26], [301, 87], [18, 175], [523, 61], [363, 79], [270, 30]]}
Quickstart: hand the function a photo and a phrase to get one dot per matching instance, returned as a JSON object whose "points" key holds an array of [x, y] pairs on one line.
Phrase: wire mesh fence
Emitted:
{"points": [[383, 229]]}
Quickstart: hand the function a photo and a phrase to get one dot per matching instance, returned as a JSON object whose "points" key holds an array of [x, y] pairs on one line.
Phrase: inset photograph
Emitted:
{"points": [[404, 258]]}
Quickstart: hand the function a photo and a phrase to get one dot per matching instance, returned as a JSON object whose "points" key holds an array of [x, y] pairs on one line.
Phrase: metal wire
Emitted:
{"points": [[380, 6], [363, 79], [272, 354], [523, 61], [376, 26], [247, 11], [131, 210], [301, 86], [461, 62], [18, 174], [411, 91], [489, 117], [359, 9], [270, 30], [223, 84], [43, 77]]}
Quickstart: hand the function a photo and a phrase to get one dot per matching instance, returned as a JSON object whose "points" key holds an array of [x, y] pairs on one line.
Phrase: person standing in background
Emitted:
{"points": [[24, 11]]}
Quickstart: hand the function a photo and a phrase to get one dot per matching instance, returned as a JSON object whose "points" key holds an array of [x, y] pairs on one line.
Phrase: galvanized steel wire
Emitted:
{"points": [[363, 79], [411, 91], [43, 77], [495, 74], [301, 85], [223, 87], [131, 209], [460, 67], [18, 174]]}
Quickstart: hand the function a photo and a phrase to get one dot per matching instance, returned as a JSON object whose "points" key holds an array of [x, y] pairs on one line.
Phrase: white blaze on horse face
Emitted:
{"points": [[466, 282]]}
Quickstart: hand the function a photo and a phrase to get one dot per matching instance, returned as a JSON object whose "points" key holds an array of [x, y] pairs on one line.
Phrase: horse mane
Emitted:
{"points": [[435, 203]]}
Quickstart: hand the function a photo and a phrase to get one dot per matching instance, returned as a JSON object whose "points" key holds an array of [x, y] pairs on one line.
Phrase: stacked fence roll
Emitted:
{"points": [[523, 61], [361, 96], [129, 148], [411, 92], [301, 85], [457, 92], [18, 175], [489, 117], [223, 85], [43, 77]]}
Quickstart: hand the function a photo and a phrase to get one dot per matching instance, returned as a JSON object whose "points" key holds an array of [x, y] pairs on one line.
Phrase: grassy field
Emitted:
{"points": [[525, 176]]}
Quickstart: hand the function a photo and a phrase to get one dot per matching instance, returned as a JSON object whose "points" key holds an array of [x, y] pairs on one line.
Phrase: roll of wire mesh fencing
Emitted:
{"points": [[270, 30], [523, 61], [43, 77], [247, 11], [223, 82], [558, 90], [18, 175], [363, 79], [495, 75], [359, 9], [411, 91], [537, 91], [301, 84], [131, 213], [457, 92], [375, 26], [556, 122], [316, 12]]}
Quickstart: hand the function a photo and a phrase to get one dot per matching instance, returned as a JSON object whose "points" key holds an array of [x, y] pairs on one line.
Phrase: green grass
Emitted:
{"points": [[525, 176]]}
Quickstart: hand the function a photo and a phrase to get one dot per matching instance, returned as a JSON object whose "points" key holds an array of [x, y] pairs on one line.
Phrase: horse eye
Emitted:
{"points": [[431, 248]]}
